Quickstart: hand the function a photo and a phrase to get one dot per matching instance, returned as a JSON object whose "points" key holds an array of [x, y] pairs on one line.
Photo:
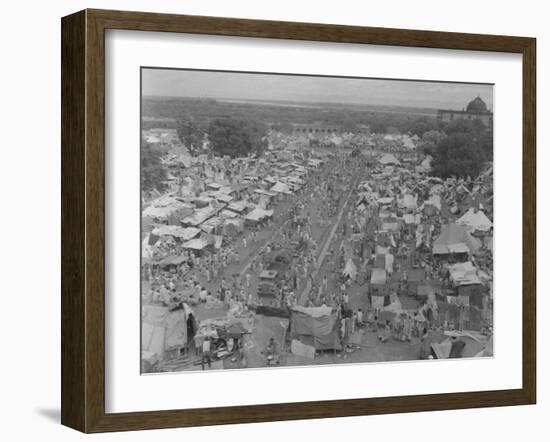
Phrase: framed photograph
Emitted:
{"points": [[266, 221]]}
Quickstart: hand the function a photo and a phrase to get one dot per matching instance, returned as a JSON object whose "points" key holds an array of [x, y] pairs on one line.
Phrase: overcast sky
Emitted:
{"points": [[242, 86]]}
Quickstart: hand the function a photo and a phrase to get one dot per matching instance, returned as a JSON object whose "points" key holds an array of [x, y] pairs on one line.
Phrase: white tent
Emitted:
{"points": [[195, 244], [407, 142], [258, 214], [434, 200], [426, 165], [464, 274], [163, 330], [388, 159], [477, 220], [146, 248], [455, 239], [408, 202], [350, 269], [176, 231], [280, 188]]}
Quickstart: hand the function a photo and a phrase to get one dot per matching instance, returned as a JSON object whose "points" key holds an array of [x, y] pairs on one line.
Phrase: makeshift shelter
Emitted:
{"points": [[163, 332], [378, 292], [389, 159], [408, 202], [350, 269], [315, 326], [184, 234], [280, 188], [258, 215], [198, 217], [146, 247], [461, 345], [470, 291], [197, 244], [170, 261], [455, 239], [432, 205], [212, 225], [228, 214], [232, 227], [238, 206], [426, 165], [167, 209], [476, 220]]}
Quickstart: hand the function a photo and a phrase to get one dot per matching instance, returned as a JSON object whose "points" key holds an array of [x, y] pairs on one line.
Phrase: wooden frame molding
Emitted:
{"points": [[83, 219]]}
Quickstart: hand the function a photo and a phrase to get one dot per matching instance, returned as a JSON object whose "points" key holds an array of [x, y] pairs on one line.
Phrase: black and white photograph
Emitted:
{"points": [[301, 220]]}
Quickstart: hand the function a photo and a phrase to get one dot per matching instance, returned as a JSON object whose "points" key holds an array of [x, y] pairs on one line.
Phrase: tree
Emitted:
{"points": [[236, 138], [430, 140], [285, 127], [458, 155], [462, 125], [152, 172], [190, 133], [422, 125], [486, 143]]}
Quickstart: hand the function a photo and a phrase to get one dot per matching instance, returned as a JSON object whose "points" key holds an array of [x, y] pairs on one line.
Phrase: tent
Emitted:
{"points": [[408, 202], [389, 159], [167, 208], [258, 214], [233, 226], [198, 217], [378, 277], [409, 218], [238, 206], [146, 248], [464, 274], [195, 244], [455, 239], [433, 202], [171, 260], [280, 188], [163, 332], [425, 165], [210, 225], [476, 219], [350, 269], [182, 233], [228, 214], [315, 326]]}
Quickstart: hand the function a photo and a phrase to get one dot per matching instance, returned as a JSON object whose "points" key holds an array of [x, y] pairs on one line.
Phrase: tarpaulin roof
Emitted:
{"points": [[258, 214], [464, 274], [195, 244], [476, 219], [238, 206], [228, 214], [408, 201], [389, 159], [163, 329], [177, 231], [321, 330], [199, 216], [171, 260], [455, 239], [350, 269], [280, 188], [378, 276]]}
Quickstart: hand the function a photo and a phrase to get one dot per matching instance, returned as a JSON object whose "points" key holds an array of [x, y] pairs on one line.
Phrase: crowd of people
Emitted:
{"points": [[339, 222]]}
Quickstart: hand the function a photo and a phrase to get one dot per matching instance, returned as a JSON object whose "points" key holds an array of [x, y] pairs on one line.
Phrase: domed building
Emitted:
{"points": [[475, 110]]}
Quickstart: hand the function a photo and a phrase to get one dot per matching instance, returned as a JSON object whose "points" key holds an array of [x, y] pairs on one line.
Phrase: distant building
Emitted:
{"points": [[476, 110], [319, 128]]}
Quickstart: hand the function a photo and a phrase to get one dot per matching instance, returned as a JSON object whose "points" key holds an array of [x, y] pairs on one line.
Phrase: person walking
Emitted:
{"points": [[206, 356]]}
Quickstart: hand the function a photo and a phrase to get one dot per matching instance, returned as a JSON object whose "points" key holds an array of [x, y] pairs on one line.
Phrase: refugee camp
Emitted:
{"points": [[296, 221]]}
